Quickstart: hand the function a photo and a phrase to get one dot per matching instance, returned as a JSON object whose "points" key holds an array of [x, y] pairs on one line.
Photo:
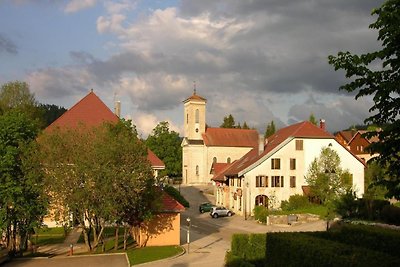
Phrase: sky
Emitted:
{"points": [[259, 60]]}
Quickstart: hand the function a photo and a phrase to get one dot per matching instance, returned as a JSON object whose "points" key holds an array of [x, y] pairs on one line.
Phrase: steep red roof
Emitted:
{"points": [[90, 111], [156, 162], [230, 137], [347, 135], [170, 204], [303, 129]]}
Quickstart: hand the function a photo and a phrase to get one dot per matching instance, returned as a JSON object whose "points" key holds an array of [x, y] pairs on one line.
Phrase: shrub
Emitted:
{"points": [[176, 195], [295, 202], [260, 214], [248, 248], [391, 214]]}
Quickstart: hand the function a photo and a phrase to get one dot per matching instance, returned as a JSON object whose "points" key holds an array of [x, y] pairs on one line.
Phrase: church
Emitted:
{"points": [[204, 147]]}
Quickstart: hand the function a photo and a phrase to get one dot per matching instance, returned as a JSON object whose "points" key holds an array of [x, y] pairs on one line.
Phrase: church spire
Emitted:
{"points": [[194, 87]]}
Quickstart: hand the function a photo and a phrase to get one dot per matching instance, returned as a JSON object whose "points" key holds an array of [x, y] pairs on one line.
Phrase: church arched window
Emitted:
{"points": [[197, 170], [197, 116], [228, 160]]}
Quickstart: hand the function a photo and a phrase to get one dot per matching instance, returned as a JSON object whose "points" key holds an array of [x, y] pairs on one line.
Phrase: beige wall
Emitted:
{"points": [[163, 230], [189, 122]]}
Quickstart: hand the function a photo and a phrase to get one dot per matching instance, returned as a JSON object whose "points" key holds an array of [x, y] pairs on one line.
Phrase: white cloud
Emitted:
{"points": [[77, 5]]}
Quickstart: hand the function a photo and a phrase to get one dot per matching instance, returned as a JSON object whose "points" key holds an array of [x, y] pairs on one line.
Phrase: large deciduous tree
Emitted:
{"points": [[101, 175], [377, 74], [166, 145], [327, 180], [22, 200]]}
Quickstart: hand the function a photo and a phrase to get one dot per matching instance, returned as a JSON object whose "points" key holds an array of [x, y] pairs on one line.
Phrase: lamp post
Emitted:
{"points": [[188, 232]]}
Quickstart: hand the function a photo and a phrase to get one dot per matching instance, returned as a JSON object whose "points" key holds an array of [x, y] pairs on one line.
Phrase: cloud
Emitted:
{"points": [[77, 5], [7, 45]]}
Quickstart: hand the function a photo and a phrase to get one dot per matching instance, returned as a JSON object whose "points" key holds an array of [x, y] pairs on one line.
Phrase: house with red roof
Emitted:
{"points": [[90, 111], [356, 141], [276, 169], [204, 146]]}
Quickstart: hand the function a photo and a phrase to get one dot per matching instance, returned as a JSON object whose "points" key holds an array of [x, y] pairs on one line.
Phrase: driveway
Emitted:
{"points": [[115, 260]]}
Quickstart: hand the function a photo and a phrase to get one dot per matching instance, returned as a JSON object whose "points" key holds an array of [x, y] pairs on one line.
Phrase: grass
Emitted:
{"points": [[312, 209], [44, 236], [148, 254]]}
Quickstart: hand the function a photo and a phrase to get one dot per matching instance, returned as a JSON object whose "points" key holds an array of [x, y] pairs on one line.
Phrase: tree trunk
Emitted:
{"points": [[125, 236], [116, 237], [86, 236]]}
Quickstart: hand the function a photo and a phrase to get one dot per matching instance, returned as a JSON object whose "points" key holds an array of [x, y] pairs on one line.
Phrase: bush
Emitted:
{"points": [[247, 249], [176, 195], [295, 202], [391, 214], [236, 261], [301, 249], [260, 214]]}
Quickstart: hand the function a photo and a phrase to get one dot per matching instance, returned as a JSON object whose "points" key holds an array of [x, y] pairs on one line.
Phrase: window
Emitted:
{"points": [[292, 181], [292, 164], [197, 116], [262, 200], [228, 160], [299, 144], [197, 170], [261, 181], [232, 182], [275, 164], [239, 182], [214, 160], [187, 118], [276, 181]]}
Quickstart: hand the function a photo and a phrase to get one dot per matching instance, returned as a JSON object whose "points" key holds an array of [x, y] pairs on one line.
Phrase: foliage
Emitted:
{"points": [[315, 209], [377, 74], [22, 201], [373, 173], [166, 145], [176, 195], [245, 126], [16, 96], [312, 119], [260, 214], [327, 180], [270, 130], [249, 248], [229, 122], [232, 260], [101, 174], [295, 202], [312, 249], [148, 254], [391, 214], [51, 113]]}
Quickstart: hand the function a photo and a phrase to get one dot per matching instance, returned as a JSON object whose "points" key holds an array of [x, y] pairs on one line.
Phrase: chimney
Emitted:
{"points": [[260, 144], [322, 124], [117, 108]]}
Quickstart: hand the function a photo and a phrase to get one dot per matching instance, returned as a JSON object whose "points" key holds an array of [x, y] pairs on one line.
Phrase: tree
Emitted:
{"points": [[229, 122], [22, 199], [377, 74], [17, 96], [51, 113], [312, 119], [245, 126], [327, 180], [270, 130], [102, 175], [166, 145]]}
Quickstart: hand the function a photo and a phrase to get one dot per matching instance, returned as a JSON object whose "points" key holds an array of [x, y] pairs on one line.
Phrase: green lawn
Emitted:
{"points": [[312, 209], [148, 254], [43, 236]]}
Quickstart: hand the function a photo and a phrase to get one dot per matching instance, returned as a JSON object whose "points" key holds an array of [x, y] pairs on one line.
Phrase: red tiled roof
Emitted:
{"points": [[303, 129], [156, 162], [195, 97], [347, 135], [230, 137], [91, 111], [218, 169], [169, 204]]}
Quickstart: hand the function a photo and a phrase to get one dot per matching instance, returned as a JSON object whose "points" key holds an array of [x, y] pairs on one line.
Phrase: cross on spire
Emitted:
{"points": [[194, 87]]}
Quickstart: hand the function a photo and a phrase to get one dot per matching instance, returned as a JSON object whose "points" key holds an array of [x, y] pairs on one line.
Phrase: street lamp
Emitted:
{"points": [[188, 232]]}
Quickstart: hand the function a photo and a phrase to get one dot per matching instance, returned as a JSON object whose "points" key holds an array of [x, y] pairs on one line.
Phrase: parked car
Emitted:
{"points": [[3, 254], [205, 207], [216, 212]]}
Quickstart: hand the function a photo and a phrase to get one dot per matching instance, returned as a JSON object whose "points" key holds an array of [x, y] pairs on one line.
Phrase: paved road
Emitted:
{"points": [[211, 238], [115, 260]]}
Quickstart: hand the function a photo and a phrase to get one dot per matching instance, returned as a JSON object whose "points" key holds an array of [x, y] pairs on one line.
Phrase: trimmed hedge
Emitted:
{"points": [[247, 248], [176, 195], [300, 249]]}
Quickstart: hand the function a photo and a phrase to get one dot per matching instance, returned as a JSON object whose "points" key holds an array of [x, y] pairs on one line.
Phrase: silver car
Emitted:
{"points": [[216, 212]]}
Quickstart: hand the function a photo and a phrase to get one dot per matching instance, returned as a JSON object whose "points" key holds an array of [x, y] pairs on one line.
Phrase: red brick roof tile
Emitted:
{"points": [[195, 97], [230, 137], [169, 204], [156, 162]]}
